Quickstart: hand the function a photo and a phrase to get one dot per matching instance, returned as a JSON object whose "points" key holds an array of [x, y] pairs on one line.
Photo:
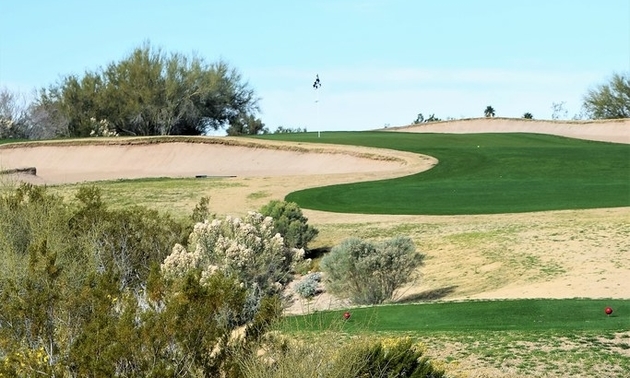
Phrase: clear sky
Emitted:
{"points": [[381, 62]]}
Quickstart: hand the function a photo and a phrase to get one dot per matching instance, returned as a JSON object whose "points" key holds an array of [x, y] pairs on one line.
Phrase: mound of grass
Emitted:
{"points": [[510, 315], [479, 174]]}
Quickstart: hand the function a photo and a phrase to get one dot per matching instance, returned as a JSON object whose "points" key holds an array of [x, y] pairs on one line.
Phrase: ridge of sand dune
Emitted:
{"points": [[617, 131]]}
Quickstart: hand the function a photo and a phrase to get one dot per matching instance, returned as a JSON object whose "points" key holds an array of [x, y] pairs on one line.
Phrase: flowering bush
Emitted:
{"points": [[247, 249], [101, 128]]}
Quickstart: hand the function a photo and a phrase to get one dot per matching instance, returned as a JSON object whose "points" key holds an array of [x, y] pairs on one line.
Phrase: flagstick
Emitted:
{"points": [[316, 85], [317, 112], [317, 116]]}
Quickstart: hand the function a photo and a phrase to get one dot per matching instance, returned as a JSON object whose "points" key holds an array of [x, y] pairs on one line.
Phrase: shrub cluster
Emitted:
{"points": [[86, 290]]}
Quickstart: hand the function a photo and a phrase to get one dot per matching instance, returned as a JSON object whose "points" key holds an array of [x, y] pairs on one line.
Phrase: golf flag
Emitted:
{"points": [[317, 83]]}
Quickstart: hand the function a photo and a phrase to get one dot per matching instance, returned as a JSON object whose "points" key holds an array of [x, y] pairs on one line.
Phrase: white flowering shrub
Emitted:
{"points": [[247, 249], [101, 128]]}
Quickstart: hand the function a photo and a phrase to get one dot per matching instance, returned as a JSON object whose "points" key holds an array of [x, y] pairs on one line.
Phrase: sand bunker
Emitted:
{"points": [[69, 162]]}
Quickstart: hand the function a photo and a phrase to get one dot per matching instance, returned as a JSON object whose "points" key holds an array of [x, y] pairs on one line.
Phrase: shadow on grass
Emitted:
{"points": [[428, 295]]}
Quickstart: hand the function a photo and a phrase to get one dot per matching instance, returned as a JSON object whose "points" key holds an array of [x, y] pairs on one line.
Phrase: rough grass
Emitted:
{"points": [[175, 196], [480, 174]]}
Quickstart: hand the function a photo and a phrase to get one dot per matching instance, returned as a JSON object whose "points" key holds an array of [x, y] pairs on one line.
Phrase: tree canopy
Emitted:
{"points": [[150, 92], [610, 100]]}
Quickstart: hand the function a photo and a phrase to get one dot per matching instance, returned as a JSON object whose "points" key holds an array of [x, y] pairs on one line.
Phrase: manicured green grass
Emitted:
{"points": [[5, 141], [479, 174], [510, 315]]}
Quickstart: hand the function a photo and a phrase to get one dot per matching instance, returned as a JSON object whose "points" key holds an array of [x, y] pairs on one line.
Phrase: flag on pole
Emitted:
{"points": [[317, 83]]}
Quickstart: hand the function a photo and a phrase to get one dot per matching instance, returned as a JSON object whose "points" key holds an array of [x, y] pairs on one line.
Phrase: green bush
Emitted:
{"points": [[369, 273], [290, 223], [345, 358]]}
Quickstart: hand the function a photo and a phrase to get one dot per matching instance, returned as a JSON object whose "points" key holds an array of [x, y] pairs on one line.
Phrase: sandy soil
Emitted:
{"points": [[617, 131], [560, 254]]}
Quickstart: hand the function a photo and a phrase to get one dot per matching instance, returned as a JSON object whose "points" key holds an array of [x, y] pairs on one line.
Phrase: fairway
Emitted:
{"points": [[509, 315], [479, 174]]}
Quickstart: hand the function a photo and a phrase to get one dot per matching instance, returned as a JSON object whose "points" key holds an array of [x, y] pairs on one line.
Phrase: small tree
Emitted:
{"points": [[13, 115], [610, 100], [528, 115], [290, 223], [489, 112], [369, 273], [558, 111]]}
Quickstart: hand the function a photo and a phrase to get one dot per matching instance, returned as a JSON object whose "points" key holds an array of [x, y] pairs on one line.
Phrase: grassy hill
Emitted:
{"points": [[479, 174]]}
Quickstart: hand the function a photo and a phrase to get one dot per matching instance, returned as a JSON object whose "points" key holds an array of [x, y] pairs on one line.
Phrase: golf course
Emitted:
{"points": [[525, 226]]}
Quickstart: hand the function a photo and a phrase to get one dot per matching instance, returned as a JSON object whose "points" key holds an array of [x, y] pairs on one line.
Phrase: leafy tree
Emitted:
{"points": [[528, 115], [610, 100], [489, 112], [289, 221], [247, 125], [150, 92], [369, 273]]}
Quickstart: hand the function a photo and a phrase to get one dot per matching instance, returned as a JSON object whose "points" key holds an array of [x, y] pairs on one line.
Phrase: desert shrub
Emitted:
{"points": [[126, 240], [82, 292], [201, 212], [347, 358], [307, 288], [290, 223], [369, 273]]}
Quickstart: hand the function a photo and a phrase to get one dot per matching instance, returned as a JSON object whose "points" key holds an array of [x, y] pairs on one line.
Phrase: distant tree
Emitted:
{"points": [[420, 119], [489, 112], [152, 93], [289, 130], [610, 100], [528, 115], [13, 115], [247, 125], [558, 111]]}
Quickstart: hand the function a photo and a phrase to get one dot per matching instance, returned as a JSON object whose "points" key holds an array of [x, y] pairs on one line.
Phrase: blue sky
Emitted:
{"points": [[380, 62]]}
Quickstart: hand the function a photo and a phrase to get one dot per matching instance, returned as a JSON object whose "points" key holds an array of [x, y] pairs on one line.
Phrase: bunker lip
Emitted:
{"points": [[74, 161], [616, 131]]}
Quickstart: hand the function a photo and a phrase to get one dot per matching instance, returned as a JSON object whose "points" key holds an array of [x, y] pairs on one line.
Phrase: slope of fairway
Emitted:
{"points": [[480, 174]]}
